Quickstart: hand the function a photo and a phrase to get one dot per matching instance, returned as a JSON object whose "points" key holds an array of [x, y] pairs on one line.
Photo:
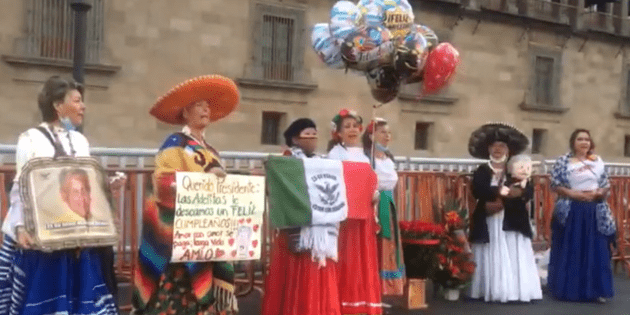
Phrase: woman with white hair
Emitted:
{"points": [[500, 235]]}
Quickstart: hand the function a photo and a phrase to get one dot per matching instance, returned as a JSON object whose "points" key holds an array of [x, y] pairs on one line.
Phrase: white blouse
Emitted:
{"points": [[387, 175], [31, 144], [585, 175], [353, 154]]}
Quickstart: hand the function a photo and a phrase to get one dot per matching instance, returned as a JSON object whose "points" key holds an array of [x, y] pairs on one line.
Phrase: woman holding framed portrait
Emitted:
{"points": [[83, 278]]}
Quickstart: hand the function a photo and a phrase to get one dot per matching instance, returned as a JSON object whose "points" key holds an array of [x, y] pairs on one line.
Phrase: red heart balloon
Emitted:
{"points": [[249, 220], [440, 68], [231, 241], [255, 243], [251, 253], [255, 227], [234, 253]]}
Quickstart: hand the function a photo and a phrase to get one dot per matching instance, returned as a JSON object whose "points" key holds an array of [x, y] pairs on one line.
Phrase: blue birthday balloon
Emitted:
{"points": [[326, 47], [343, 18]]}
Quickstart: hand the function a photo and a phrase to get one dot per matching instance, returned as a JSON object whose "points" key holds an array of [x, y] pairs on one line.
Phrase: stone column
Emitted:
{"points": [[610, 27], [576, 17], [472, 4], [623, 18]]}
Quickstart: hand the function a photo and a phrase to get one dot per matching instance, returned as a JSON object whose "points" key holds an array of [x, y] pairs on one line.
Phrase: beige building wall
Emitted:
{"points": [[159, 43]]}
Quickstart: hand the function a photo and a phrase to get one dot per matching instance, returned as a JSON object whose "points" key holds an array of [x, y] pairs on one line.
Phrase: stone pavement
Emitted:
{"points": [[619, 305]]}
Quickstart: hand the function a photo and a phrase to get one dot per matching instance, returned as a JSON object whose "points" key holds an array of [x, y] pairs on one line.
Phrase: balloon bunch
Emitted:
{"points": [[379, 38]]}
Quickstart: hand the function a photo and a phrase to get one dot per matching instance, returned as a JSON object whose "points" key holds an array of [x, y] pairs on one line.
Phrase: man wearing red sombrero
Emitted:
{"points": [[178, 288]]}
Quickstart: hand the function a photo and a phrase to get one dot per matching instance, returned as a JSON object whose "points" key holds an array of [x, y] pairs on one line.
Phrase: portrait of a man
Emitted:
{"points": [[75, 191], [67, 203]]}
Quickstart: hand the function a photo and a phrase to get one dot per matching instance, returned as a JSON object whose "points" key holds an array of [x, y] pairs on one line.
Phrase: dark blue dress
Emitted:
{"points": [[580, 260]]}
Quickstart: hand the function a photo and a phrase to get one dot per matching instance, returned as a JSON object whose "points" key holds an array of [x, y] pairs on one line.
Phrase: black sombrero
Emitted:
{"points": [[489, 133]]}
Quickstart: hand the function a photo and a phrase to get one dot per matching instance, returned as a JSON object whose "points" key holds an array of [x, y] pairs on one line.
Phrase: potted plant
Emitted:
{"points": [[455, 265]]}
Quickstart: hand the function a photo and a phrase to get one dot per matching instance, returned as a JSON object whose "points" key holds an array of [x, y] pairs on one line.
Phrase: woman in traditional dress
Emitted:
{"points": [[297, 283], [582, 226], [506, 270], [359, 283], [389, 244], [73, 281], [162, 287]]}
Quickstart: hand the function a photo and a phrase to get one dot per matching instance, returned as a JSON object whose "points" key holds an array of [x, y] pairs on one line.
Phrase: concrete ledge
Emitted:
{"points": [[435, 99], [546, 109], [267, 84], [622, 115], [58, 63]]}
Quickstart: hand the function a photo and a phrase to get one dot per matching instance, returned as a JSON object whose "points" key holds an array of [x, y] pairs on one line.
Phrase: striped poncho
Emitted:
{"points": [[210, 282]]}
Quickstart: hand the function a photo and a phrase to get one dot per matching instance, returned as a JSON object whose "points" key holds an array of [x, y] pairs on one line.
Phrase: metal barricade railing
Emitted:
{"points": [[420, 195], [542, 209], [423, 195], [618, 201]]}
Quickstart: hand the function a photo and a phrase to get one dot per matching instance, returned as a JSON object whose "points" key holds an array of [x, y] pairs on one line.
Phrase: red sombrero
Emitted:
{"points": [[220, 92]]}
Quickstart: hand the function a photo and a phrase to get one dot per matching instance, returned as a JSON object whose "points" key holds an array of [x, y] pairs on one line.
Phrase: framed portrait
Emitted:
{"points": [[67, 203]]}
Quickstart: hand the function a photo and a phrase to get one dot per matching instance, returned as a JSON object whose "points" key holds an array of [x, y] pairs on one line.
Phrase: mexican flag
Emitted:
{"points": [[304, 192]]}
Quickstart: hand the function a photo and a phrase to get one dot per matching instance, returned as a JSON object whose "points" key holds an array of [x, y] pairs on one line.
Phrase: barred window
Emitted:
{"points": [[539, 141], [544, 72], [50, 29], [271, 126], [279, 41], [423, 135]]}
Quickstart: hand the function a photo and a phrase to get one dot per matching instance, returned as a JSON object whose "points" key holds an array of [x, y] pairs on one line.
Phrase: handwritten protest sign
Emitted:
{"points": [[217, 219]]}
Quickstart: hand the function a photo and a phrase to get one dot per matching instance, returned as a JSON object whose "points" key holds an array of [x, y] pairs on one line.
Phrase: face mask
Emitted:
{"points": [[380, 147], [67, 124], [499, 160]]}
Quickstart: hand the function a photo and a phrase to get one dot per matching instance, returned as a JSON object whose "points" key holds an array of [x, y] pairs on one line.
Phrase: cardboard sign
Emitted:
{"points": [[218, 219]]}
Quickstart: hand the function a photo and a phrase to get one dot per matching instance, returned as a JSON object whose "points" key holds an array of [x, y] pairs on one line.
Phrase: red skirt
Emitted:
{"points": [[298, 286], [359, 280]]}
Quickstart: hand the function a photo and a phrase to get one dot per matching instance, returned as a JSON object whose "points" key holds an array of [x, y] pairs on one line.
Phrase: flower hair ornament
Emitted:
{"points": [[336, 121]]}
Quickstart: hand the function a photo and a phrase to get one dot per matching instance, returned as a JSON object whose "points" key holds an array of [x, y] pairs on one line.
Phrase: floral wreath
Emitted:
{"points": [[344, 113]]}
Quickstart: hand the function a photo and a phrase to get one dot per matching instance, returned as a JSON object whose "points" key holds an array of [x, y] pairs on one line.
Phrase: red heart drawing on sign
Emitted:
{"points": [[234, 253], [255, 243], [249, 220], [241, 221], [220, 253], [231, 241], [256, 228], [251, 253]]}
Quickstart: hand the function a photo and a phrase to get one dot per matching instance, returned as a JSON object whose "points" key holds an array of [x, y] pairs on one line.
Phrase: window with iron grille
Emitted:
{"points": [[50, 29], [544, 87], [279, 43], [422, 136], [539, 139], [544, 80], [271, 125]]}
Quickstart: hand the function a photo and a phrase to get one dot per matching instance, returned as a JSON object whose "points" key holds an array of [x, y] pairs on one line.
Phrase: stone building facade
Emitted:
{"points": [[545, 66]]}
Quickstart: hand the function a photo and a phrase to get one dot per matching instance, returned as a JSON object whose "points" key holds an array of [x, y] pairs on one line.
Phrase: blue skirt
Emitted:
{"points": [[66, 282], [580, 262]]}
